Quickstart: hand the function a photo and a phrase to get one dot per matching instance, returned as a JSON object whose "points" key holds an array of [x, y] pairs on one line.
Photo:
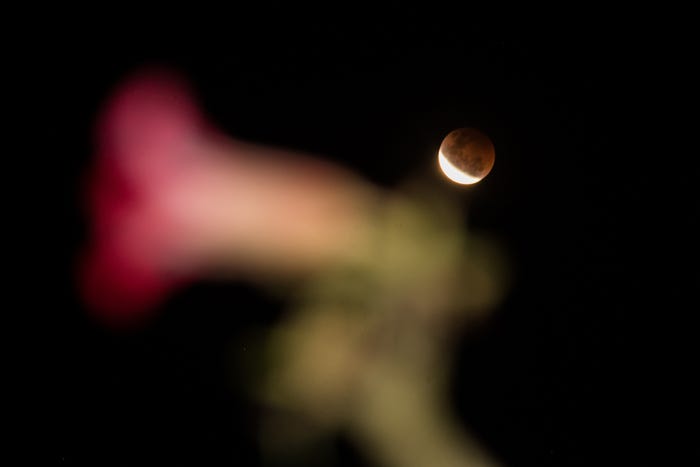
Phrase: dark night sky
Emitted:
{"points": [[562, 375]]}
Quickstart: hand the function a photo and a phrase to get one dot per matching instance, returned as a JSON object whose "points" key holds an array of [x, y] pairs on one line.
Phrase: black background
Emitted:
{"points": [[570, 371]]}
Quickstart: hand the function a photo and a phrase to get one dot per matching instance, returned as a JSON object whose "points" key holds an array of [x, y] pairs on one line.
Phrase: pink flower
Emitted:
{"points": [[170, 198], [143, 138]]}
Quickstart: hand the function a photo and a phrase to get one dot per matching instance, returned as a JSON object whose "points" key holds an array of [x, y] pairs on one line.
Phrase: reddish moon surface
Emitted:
{"points": [[466, 155]]}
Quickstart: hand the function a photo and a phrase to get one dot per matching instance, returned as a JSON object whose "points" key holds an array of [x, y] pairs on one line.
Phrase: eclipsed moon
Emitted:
{"points": [[466, 156]]}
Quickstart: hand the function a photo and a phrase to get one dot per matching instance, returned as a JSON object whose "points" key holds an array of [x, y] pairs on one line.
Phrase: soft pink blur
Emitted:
{"points": [[139, 137], [171, 198]]}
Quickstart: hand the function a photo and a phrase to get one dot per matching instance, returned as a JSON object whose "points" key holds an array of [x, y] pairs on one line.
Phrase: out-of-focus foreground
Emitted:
{"points": [[379, 282]]}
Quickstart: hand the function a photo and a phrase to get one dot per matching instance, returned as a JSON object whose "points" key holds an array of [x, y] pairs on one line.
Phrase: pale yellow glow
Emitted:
{"points": [[453, 173]]}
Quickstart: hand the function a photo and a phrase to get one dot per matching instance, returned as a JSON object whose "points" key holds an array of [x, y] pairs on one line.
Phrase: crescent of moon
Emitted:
{"points": [[453, 173]]}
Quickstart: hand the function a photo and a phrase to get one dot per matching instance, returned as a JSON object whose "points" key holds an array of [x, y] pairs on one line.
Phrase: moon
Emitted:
{"points": [[466, 156]]}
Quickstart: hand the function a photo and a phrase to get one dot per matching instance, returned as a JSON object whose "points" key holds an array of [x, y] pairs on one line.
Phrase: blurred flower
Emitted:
{"points": [[142, 139], [382, 280]]}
